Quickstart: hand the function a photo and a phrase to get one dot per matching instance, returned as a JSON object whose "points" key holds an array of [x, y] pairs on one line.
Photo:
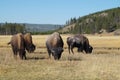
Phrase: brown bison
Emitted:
{"points": [[20, 42], [29, 46], [54, 44], [79, 41], [18, 45]]}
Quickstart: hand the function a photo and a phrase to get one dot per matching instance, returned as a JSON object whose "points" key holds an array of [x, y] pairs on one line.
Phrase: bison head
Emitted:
{"points": [[89, 49], [31, 48], [56, 52]]}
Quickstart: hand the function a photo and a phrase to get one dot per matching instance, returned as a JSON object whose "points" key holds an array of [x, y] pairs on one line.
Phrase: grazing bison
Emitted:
{"points": [[54, 44], [79, 41], [18, 45], [30, 47]]}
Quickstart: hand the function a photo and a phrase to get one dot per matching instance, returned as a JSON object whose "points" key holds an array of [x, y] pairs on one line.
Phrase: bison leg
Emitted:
{"points": [[72, 49], [69, 49], [49, 53], [22, 54], [80, 49], [14, 52]]}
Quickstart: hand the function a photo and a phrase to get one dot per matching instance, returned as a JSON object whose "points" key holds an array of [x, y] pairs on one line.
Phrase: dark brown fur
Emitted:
{"points": [[79, 41], [30, 47]]}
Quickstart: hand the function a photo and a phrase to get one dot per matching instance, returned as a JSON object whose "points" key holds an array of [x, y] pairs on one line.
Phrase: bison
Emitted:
{"points": [[54, 44], [18, 45], [79, 41], [29, 46]]}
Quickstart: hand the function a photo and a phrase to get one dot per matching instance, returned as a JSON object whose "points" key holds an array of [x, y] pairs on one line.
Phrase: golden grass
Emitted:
{"points": [[95, 41], [4, 40], [105, 41], [102, 64]]}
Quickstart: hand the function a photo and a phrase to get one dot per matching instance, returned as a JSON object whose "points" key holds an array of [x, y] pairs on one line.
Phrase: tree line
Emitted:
{"points": [[11, 28]]}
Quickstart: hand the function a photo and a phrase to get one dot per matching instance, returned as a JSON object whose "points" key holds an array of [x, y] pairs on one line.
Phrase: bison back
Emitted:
{"points": [[55, 40]]}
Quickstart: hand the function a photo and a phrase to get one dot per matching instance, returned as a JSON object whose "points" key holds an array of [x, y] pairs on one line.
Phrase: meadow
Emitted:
{"points": [[102, 64]]}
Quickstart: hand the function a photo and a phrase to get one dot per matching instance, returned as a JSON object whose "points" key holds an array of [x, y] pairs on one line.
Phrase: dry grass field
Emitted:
{"points": [[102, 64]]}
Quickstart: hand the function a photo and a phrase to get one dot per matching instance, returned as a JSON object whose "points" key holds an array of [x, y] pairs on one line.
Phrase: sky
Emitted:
{"points": [[50, 11]]}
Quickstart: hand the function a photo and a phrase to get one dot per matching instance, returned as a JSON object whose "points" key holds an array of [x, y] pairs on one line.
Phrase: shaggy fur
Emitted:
{"points": [[54, 44]]}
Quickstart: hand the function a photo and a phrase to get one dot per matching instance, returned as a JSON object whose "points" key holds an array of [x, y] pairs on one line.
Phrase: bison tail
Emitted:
{"points": [[9, 43]]}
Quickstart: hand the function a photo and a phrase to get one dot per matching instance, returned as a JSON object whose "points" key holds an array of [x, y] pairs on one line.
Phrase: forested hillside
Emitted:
{"points": [[108, 20]]}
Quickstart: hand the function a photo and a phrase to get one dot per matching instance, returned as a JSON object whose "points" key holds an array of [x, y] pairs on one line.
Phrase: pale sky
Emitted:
{"points": [[50, 11]]}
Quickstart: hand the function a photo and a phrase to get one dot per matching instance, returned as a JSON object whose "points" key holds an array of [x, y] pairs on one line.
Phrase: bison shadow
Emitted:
{"points": [[71, 58], [36, 58], [74, 59], [40, 52]]}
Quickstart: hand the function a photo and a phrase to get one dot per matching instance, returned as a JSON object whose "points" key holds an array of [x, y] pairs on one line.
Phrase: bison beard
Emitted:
{"points": [[30, 47], [58, 51]]}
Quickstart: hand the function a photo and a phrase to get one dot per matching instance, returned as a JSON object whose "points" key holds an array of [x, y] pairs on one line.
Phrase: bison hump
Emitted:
{"points": [[55, 40]]}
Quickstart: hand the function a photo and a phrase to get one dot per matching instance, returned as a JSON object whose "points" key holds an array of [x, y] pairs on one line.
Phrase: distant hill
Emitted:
{"points": [[108, 20], [41, 27]]}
